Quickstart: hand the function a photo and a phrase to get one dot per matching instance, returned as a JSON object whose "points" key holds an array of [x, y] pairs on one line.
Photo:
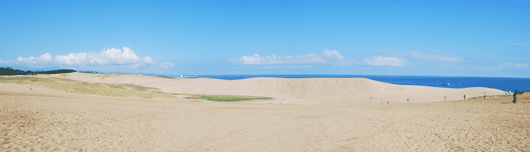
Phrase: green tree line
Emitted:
{"points": [[11, 71]]}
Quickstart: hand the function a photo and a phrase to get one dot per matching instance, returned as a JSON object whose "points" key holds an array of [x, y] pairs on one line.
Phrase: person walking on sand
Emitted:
{"points": [[515, 96], [445, 98], [485, 95], [408, 100], [464, 96]]}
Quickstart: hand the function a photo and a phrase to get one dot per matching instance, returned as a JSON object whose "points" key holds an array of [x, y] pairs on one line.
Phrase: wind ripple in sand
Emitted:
{"points": [[93, 123]]}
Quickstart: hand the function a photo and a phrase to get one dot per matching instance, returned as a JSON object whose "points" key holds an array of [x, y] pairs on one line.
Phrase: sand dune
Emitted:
{"points": [[51, 120], [299, 91]]}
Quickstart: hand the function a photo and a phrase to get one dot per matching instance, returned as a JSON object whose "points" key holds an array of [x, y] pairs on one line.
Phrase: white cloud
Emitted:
{"points": [[434, 57], [28, 59], [521, 65], [485, 68], [503, 66], [273, 59], [165, 65], [46, 57], [339, 59], [110, 57], [5, 62], [232, 60], [383, 61], [72, 58], [332, 54]]}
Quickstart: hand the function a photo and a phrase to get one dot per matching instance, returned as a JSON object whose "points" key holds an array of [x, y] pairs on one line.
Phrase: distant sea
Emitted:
{"points": [[501, 83]]}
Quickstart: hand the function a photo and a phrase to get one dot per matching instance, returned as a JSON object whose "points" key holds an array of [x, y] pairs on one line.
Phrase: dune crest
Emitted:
{"points": [[307, 90]]}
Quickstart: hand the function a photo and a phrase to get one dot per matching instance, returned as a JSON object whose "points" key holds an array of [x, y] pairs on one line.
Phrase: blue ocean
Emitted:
{"points": [[501, 83]]}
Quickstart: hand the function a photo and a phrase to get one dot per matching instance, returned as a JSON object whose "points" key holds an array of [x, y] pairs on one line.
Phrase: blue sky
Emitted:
{"points": [[388, 37]]}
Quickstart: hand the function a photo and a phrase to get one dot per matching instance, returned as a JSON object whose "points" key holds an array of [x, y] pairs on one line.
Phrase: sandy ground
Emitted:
{"points": [[294, 91], [52, 120]]}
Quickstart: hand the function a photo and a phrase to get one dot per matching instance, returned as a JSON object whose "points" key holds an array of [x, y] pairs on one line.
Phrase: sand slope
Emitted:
{"points": [[304, 91], [51, 120]]}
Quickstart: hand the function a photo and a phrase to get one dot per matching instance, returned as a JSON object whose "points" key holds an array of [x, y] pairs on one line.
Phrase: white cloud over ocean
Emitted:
{"points": [[273, 59], [326, 55], [287, 67], [339, 59], [504, 66], [384, 61], [433, 57], [332, 54], [335, 58]]}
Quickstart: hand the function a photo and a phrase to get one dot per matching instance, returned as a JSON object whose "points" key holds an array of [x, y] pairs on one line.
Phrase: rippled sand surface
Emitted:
{"points": [[51, 120]]}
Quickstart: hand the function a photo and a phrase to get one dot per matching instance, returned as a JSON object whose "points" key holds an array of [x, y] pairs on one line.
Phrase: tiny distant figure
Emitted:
{"points": [[445, 98], [485, 95], [464, 96], [381, 102], [515, 96], [408, 100], [510, 93], [388, 102]]}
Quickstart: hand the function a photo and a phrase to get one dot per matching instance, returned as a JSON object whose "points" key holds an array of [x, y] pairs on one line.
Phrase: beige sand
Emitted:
{"points": [[295, 91], [47, 120]]}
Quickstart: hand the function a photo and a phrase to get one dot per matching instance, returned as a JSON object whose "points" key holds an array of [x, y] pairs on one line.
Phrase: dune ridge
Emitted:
{"points": [[301, 91]]}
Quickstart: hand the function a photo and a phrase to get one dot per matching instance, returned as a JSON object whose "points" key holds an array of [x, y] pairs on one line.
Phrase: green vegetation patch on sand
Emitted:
{"points": [[226, 98], [115, 90], [74, 86]]}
